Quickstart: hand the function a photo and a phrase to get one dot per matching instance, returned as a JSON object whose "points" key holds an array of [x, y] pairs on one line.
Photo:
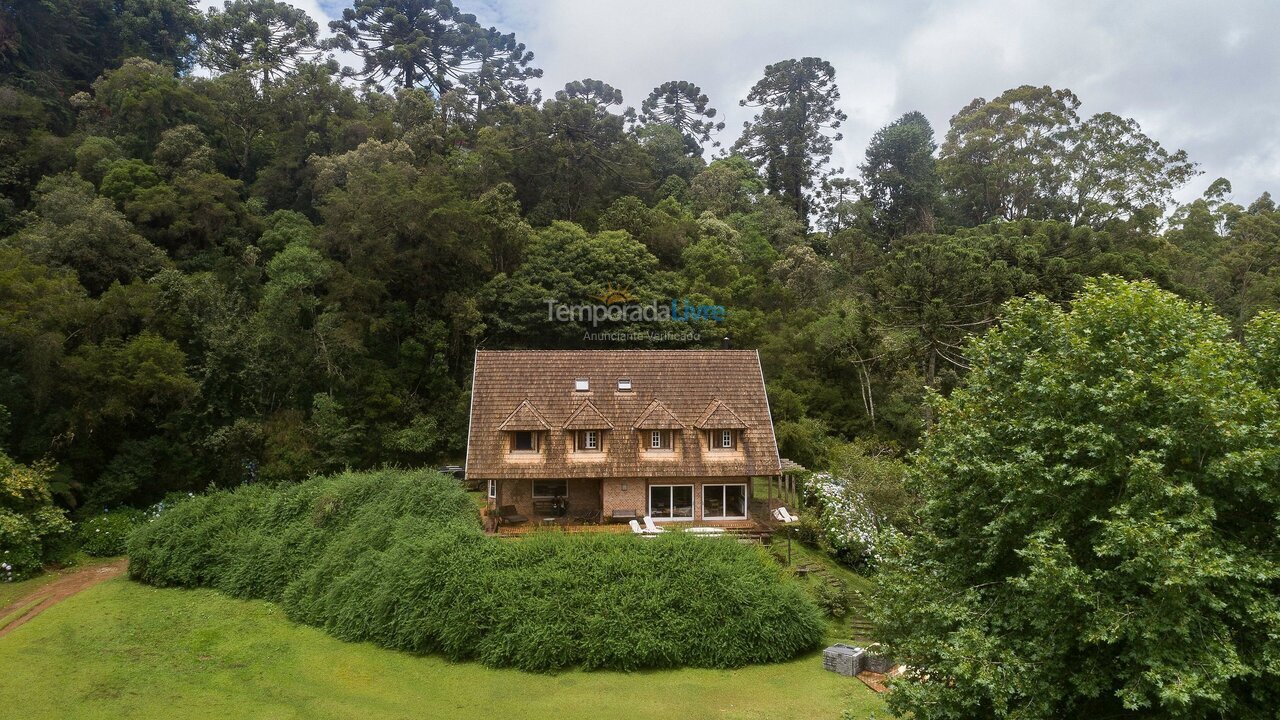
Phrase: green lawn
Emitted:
{"points": [[122, 649]]}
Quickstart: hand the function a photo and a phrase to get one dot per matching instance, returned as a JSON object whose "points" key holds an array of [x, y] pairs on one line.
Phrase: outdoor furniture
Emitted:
{"points": [[620, 515], [649, 527], [510, 515], [782, 515], [635, 527]]}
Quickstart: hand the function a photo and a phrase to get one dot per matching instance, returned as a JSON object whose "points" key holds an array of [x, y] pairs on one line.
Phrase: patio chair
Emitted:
{"points": [[782, 515], [649, 527], [635, 527]]}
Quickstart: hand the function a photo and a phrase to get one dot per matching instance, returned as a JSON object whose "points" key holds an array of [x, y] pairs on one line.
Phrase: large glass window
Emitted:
{"points": [[550, 488], [724, 501], [671, 502]]}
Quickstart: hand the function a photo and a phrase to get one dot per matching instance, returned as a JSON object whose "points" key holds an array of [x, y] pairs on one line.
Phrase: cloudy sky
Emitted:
{"points": [[1201, 76]]}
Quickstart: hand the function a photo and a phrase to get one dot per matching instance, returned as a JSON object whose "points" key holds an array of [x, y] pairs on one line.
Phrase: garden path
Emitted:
{"points": [[71, 582]]}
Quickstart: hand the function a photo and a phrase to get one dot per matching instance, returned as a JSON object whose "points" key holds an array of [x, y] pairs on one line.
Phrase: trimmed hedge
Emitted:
{"points": [[398, 558]]}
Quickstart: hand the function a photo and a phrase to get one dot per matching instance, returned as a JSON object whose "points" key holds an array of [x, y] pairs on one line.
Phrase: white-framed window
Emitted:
{"points": [[726, 438], [671, 502], [659, 440], [581, 385], [624, 384], [550, 489], [588, 440], [724, 502], [493, 489]]}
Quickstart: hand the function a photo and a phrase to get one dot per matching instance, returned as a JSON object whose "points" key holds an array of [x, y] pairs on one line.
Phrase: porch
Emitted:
{"points": [[738, 506]]}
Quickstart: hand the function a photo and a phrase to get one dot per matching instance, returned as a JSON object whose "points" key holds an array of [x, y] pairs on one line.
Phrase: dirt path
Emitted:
{"points": [[71, 582]]}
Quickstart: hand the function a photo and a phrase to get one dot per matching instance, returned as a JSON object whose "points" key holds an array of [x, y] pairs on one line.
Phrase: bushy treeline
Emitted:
{"points": [[267, 270], [397, 558]]}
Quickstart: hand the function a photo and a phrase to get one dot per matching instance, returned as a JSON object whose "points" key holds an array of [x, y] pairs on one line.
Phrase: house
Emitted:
{"points": [[592, 435]]}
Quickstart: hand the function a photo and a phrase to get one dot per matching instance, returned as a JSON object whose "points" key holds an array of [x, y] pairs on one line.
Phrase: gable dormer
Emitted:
{"points": [[525, 429], [657, 429], [587, 426], [721, 427]]}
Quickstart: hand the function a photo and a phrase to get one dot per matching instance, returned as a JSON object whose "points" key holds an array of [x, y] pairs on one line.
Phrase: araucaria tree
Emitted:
{"points": [[900, 177], [683, 106], [1098, 532], [428, 43], [261, 37], [791, 138]]}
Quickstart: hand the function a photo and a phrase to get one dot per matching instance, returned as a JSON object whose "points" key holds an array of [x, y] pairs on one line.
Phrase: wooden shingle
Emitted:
{"points": [[685, 384], [524, 417]]}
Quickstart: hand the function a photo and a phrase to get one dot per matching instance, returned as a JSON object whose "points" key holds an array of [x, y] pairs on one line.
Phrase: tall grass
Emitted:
{"points": [[398, 558]]}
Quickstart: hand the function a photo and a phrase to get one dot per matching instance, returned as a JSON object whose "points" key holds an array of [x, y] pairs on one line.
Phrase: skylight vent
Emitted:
{"points": [[581, 385]]}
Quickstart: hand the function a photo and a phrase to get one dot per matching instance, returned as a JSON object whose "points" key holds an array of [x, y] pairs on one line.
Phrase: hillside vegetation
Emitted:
{"points": [[398, 558]]}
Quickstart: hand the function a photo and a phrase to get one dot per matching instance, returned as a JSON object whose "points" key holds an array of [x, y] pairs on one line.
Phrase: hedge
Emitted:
{"points": [[398, 558]]}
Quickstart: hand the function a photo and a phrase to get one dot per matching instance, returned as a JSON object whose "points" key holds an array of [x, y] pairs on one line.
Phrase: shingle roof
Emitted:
{"points": [[675, 388], [718, 416], [657, 417], [587, 417], [524, 417]]}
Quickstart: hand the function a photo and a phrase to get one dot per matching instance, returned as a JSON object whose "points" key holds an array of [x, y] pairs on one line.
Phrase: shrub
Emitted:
{"points": [[107, 534], [30, 525], [398, 559]]}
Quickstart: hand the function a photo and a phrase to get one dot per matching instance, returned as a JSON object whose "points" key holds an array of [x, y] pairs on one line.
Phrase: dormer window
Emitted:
{"points": [[524, 441], [581, 385], [624, 384], [659, 440], [588, 440], [723, 439]]}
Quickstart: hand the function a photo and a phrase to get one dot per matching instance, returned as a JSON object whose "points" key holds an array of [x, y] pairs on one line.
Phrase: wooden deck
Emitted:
{"points": [[746, 529]]}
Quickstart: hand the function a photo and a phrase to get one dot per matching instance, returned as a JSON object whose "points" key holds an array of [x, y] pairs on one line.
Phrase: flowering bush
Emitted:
{"points": [[107, 534], [847, 526], [29, 523]]}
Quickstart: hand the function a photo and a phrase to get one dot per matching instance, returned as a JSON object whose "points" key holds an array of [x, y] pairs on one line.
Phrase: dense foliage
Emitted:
{"points": [[262, 269], [397, 558], [30, 524], [106, 534], [1097, 536]]}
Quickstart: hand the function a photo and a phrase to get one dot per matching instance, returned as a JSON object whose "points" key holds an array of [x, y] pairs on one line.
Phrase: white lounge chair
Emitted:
{"points": [[782, 515], [635, 527], [649, 527]]}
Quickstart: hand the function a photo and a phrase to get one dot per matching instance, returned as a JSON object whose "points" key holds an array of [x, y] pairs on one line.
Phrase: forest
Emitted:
{"points": [[227, 258]]}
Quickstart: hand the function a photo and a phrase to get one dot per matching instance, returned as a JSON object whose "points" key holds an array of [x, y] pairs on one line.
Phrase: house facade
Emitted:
{"points": [[600, 435]]}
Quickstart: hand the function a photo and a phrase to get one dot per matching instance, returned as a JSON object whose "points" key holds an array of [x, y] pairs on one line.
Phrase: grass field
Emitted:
{"points": [[122, 649]]}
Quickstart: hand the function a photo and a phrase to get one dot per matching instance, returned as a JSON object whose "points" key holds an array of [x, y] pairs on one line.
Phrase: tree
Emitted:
{"points": [[788, 140], [1006, 159], [1117, 173], [1097, 536], [262, 37], [900, 177], [83, 232], [427, 42], [597, 93], [683, 106]]}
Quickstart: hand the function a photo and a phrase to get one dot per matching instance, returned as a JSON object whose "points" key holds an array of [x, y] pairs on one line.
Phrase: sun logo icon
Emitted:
{"points": [[614, 295]]}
